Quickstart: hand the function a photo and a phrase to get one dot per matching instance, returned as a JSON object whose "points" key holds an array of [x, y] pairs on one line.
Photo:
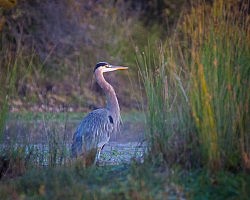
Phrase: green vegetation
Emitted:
{"points": [[112, 182], [7, 89], [222, 185], [196, 84], [219, 89], [169, 125], [61, 56]]}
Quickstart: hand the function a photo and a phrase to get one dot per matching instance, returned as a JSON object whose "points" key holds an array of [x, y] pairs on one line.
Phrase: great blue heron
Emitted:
{"points": [[95, 129]]}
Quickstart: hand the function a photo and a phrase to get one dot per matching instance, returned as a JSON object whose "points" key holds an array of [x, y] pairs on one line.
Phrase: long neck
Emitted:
{"points": [[112, 102]]}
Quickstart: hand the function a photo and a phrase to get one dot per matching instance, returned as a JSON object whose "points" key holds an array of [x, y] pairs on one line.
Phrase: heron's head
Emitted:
{"points": [[106, 67]]}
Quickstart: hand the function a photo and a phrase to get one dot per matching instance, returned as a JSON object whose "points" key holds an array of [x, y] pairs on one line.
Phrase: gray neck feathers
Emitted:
{"points": [[112, 102]]}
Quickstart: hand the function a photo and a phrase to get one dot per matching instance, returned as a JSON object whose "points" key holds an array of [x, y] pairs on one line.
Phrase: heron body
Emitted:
{"points": [[95, 129]]}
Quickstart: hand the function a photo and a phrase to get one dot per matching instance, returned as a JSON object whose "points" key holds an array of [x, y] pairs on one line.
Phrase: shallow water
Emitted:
{"points": [[48, 142]]}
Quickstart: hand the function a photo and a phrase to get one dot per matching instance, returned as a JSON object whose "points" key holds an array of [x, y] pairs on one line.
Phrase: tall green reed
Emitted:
{"points": [[55, 143], [198, 81], [14, 67], [169, 127], [8, 76], [218, 65]]}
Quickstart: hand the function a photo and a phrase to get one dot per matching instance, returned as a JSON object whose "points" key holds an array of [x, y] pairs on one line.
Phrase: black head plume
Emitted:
{"points": [[100, 64]]}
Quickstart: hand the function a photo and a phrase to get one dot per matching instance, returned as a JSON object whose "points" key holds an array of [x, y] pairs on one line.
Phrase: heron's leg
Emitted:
{"points": [[98, 153], [99, 149]]}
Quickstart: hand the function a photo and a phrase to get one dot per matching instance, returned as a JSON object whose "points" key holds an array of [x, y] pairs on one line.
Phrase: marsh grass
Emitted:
{"points": [[219, 81], [56, 143], [11, 162], [18, 153], [23, 150], [108, 182], [3, 116], [222, 185], [196, 85], [15, 67], [197, 88], [6, 90], [169, 127]]}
